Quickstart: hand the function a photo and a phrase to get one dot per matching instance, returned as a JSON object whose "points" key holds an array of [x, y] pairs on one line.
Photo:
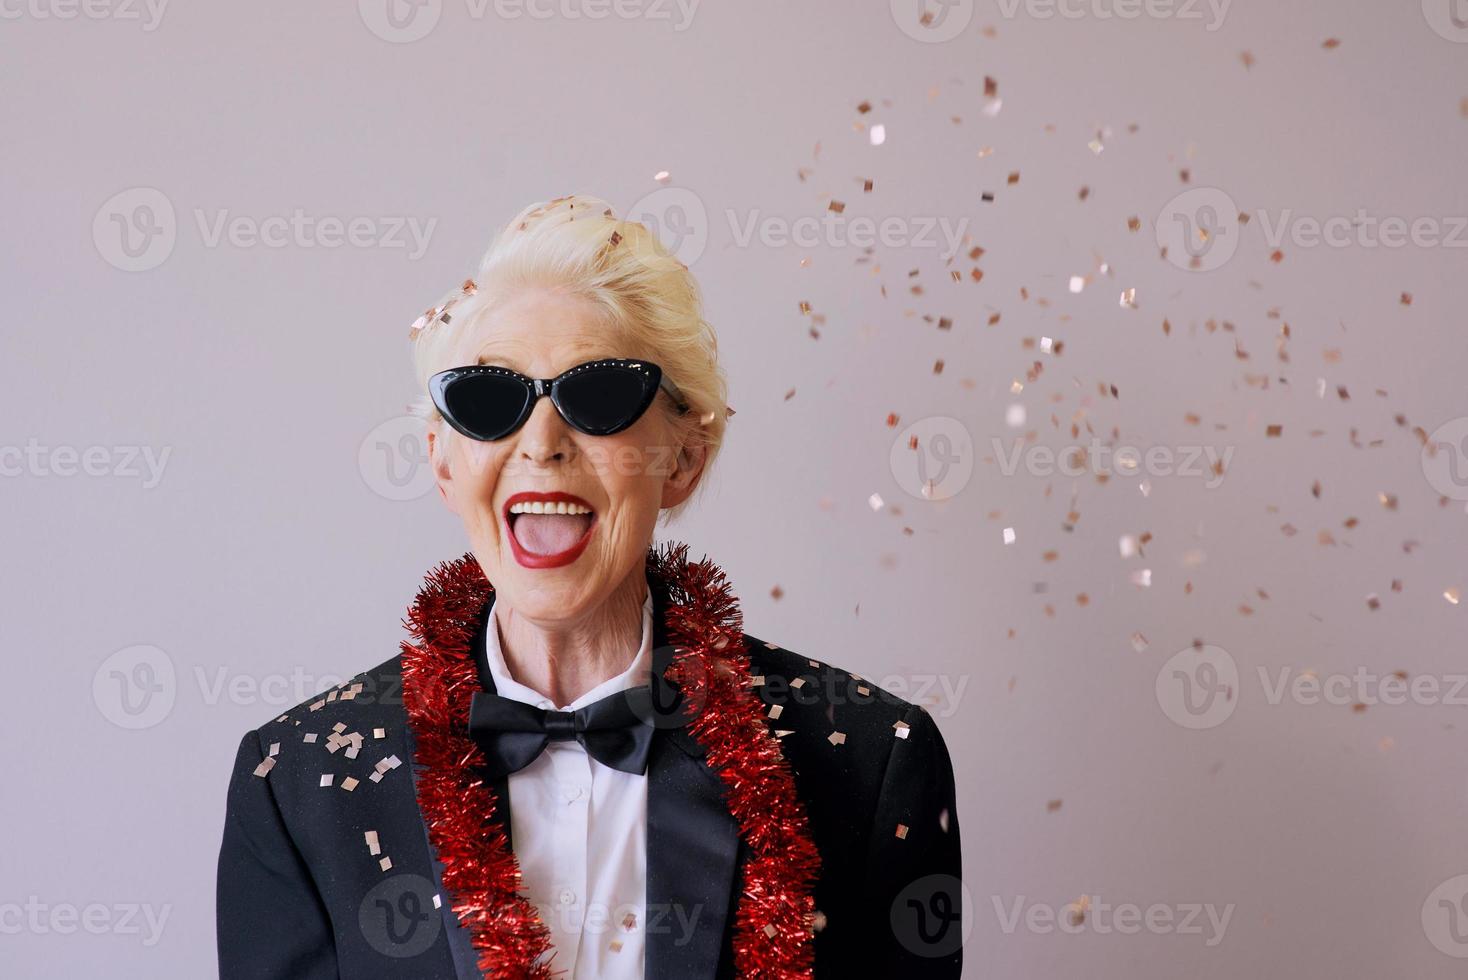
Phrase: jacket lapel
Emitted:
{"points": [[693, 846]]}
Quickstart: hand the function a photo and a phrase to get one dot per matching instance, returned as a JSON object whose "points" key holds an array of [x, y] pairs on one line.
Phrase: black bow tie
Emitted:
{"points": [[616, 731]]}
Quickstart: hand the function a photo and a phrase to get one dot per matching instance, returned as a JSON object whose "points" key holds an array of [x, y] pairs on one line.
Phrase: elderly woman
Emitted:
{"points": [[580, 765]]}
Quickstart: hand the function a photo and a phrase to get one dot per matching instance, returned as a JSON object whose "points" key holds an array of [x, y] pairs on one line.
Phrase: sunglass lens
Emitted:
{"points": [[486, 405], [605, 400]]}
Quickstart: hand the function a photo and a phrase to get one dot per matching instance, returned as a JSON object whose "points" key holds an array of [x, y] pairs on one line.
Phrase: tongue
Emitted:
{"points": [[550, 534]]}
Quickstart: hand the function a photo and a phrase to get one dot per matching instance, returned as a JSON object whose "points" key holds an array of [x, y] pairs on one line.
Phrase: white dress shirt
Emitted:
{"points": [[579, 831]]}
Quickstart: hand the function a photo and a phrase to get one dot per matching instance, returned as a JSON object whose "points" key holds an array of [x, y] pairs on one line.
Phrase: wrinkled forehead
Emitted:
{"points": [[542, 339]]}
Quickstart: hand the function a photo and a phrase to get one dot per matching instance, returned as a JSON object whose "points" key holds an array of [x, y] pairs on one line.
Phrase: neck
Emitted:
{"points": [[564, 660]]}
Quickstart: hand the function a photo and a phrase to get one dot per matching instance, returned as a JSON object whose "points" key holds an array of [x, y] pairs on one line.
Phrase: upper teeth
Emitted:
{"points": [[542, 507]]}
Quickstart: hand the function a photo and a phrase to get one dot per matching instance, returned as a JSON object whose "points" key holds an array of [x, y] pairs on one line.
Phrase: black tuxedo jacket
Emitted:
{"points": [[303, 896]]}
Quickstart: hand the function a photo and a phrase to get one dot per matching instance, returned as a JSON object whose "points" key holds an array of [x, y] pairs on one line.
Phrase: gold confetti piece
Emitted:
{"points": [[385, 864], [1247, 59], [875, 501], [1139, 642], [373, 847], [1406, 299], [902, 831], [1009, 535], [265, 766], [836, 738], [1077, 910], [837, 206], [818, 921], [379, 733], [309, 737], [776, 710], [1273, 431], [1052, 806], [349, 783], [339, 727], [326, 779], [1453, 594], [878, 134], [901, 729], [1129, 298], [274, 748], [863, 690], [1330, 43], [771, 931], [1372, 602]]}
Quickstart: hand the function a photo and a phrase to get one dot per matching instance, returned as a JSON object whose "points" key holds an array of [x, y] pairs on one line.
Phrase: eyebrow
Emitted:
{"points": [[511, 362]]}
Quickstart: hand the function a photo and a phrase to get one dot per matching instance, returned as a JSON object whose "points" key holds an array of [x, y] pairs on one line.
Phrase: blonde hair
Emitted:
{"points": [[577, 246]]}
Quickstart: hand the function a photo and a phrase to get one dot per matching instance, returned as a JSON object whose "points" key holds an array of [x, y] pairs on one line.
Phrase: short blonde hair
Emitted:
{"points": [[576, 245]]}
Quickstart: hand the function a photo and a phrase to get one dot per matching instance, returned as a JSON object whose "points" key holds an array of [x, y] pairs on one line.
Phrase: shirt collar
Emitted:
{"points": [[636, 674]]}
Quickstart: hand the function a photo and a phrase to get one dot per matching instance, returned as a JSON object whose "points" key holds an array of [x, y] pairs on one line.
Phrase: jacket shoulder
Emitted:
{"points": [[825, 714], [375, 694]]}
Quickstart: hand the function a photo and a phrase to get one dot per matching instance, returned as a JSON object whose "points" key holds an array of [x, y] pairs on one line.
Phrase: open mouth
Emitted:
{"points": [[549, 529]]}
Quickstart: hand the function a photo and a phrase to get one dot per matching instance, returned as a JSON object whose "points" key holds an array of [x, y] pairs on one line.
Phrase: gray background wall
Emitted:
{"points": [[276, 550]]}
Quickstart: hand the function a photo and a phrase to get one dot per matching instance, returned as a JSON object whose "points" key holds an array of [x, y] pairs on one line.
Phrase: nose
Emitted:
{"points": [[545, 436]]}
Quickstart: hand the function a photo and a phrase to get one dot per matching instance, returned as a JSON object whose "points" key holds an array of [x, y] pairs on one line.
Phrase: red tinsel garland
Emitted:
{"points": [[774, 920]]}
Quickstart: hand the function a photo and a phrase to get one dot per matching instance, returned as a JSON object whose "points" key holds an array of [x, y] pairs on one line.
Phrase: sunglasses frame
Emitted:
{"points": [[538, 388]]}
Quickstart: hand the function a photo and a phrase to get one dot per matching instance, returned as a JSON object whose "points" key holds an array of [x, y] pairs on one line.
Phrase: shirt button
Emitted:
{"points": [[567, 896]]}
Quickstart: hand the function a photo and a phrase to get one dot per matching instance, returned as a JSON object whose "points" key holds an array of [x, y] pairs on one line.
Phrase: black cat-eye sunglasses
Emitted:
{"points": [[600, 398]]}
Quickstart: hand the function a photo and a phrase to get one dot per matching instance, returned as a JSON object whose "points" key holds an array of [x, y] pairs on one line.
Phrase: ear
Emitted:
{"points": [[680, 483], [438, 458]]}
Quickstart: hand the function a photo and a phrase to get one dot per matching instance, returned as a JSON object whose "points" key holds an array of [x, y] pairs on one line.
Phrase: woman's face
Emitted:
{"points": [[624, 478]]}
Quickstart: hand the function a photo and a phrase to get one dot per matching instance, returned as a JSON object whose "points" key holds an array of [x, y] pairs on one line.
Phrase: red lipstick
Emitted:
{"points": [[529, 559]]}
